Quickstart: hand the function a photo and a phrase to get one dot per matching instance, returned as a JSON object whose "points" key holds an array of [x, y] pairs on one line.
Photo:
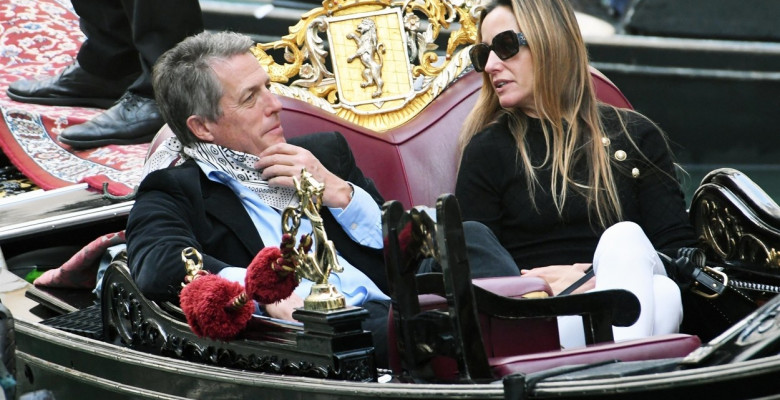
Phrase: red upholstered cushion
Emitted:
{"points": [[514, 286], [507, 286], [652, 348], [79, 272]]}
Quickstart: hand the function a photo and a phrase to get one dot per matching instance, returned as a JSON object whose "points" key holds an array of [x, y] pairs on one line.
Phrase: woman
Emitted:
{"points": [[548, 168]]}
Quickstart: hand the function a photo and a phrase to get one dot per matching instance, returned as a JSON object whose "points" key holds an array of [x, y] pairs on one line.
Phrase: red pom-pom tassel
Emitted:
{"points": [[271, 277], [216, 307]]}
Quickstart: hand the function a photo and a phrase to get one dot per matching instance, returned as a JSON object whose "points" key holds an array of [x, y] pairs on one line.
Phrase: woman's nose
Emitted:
{"points": [[493, 62]]}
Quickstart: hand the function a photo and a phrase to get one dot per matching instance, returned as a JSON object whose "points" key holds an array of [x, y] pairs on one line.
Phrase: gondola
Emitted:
{"points": [[132, 348], [121, 345]]}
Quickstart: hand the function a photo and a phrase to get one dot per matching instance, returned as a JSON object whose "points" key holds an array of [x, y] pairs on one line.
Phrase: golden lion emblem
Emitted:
{"points": [[368, 45]]}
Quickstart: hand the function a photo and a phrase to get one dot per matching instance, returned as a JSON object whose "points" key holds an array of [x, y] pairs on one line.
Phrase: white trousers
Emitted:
{"points": [[625, 259]]}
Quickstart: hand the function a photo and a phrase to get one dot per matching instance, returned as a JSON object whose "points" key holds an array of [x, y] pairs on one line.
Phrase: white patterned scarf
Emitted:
{"points": [[238, 165]]}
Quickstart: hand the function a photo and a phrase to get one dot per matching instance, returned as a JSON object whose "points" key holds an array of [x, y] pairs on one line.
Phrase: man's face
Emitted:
{"points": [[250, 112]]}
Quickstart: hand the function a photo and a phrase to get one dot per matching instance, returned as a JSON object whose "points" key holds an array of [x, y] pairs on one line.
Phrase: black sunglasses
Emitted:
{"points": [[506, 44]]}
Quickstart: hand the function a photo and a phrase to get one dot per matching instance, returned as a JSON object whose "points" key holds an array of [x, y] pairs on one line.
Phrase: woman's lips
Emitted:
{"points": [[500, 83]]}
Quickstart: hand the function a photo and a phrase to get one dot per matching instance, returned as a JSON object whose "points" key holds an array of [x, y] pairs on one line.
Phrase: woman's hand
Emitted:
{"points": [[282, 161], [283, 309], [559, 277]]}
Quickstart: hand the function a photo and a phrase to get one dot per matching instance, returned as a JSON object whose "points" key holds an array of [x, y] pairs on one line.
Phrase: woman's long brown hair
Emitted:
{"points": [[565, 101]]}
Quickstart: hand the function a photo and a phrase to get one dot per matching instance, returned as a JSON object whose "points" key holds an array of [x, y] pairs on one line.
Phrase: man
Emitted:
{"points": [[215, 97], [226, 199], [113, 68]]}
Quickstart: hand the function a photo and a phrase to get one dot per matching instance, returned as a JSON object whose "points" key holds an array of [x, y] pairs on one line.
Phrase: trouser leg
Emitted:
{"points": [[158, 26], [625, 259], [668, 306], [487, 257], [108, 51], [377, 325]]}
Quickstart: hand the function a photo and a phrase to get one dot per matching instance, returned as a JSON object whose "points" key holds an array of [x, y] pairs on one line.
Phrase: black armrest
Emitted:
{"points": [[600, 310]]}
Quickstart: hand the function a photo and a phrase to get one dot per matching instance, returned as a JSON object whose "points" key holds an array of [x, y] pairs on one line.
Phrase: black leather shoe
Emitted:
{"points": [[133, 119], [72, 87]]}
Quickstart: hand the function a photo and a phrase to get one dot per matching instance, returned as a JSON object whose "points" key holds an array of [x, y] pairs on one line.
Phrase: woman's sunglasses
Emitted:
{"points": [[506, 44]]}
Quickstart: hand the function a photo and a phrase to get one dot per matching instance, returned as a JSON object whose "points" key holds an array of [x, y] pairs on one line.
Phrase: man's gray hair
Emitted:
{"points": [[185, 83]]}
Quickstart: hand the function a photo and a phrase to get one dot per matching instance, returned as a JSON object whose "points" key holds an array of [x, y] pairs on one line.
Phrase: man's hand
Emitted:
{"points": [[559, 277], [284, 308], [282, 161]]}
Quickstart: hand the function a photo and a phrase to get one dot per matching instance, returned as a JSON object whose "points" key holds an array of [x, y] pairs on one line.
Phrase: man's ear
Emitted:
{"points": [[200, 128]]}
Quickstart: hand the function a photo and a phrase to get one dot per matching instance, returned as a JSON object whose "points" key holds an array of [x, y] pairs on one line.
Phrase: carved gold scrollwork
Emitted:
{"points": [[752, 250], [412, 73], [420, 222], [773, 259], [726, 236], [718, 229]]}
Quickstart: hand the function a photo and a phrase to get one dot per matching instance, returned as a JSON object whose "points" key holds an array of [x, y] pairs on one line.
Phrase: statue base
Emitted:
{"points": [[324, 297]]}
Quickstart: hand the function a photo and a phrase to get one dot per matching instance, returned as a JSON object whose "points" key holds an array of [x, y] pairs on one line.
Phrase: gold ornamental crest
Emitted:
{"points": [[372, 64], [379, 63]]}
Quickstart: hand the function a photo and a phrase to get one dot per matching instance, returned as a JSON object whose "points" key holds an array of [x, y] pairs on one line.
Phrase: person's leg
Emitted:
{"points": [[108, 50], [625, 259], [377, 324], [157, 26], [571, 331], [668, 306], [487, 257], [105, 65], [620, 261]]}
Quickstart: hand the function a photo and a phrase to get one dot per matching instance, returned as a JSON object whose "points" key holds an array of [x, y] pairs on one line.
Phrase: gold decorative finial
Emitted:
{"points": [[193, 264]]}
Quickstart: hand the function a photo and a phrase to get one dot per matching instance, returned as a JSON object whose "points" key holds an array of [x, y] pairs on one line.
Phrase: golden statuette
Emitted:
{"points": [[314, 265]]}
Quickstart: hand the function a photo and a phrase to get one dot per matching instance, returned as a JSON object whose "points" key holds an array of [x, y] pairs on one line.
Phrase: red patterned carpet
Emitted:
{"points": [[38, 38]]}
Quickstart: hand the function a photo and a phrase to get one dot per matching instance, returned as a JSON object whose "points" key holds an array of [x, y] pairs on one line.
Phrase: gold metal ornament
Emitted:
{"points": [[315, 265], [724, 233], [193, 264], [370, 52], [380, 68], [773, 259]]}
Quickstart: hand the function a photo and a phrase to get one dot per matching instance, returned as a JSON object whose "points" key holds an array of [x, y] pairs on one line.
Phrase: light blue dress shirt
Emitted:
{"points": [[361, 220]]}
